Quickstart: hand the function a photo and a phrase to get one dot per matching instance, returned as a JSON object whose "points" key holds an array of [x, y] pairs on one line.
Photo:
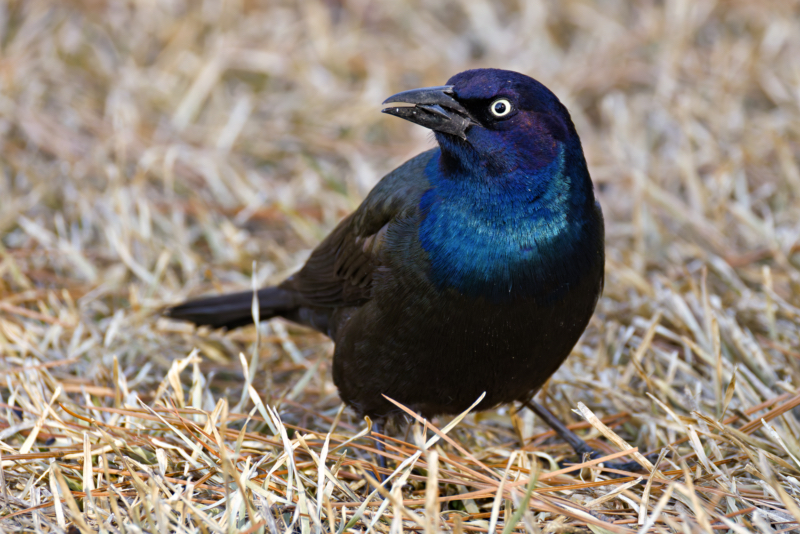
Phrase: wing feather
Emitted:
{"points": [[341, 270]]}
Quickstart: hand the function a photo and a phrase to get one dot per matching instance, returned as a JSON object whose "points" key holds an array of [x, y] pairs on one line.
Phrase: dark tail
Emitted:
{"points": [[235, 309]]}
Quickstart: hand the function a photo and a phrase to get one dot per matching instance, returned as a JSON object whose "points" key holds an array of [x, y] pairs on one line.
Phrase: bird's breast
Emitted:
{"points": [[498, 260], [503, 247]]}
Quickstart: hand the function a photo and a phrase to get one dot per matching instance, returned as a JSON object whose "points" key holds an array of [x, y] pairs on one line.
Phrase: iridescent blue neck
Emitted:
{"points": [[502, 236]]}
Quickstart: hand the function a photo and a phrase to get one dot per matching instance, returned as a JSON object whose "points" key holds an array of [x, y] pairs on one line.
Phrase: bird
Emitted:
{"points": [[471, 269]]}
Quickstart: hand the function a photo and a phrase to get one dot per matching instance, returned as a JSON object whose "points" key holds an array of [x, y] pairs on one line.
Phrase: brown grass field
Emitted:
{"points": [[152, 150]]}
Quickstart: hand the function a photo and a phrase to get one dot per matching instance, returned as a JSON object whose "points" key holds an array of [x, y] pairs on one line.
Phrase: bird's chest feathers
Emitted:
{"points": [[499, 240]]}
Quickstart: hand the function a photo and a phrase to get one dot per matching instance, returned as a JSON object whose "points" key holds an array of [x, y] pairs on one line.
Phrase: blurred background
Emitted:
{"points": [[156, 150]]}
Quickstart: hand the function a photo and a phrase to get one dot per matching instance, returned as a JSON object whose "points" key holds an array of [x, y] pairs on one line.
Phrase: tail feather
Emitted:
{"points": [[235, 309]]}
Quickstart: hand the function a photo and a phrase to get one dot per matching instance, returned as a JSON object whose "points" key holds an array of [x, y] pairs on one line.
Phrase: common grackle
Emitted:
{"points": [[473, 267]]}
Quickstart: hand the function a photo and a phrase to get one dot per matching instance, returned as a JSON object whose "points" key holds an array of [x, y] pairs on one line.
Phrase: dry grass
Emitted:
{"points": [[156, 150]]}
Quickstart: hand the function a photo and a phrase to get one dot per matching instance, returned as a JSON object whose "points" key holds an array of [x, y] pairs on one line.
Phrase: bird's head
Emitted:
{"points": [[495, 119]]}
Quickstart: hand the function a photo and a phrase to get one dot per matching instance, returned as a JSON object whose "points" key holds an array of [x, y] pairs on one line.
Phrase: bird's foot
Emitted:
{"points": [[631, 466], [381, 456], [579, 446]]}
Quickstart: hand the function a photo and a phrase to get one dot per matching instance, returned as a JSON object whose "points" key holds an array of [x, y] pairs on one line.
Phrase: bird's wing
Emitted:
{"points": [[340, 271]]}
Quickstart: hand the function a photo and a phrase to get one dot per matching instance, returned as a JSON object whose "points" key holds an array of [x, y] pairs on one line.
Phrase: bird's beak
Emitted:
{"points": [[433, 108]]}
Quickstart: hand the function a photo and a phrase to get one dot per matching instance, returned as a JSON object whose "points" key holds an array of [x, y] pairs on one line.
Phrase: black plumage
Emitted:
{"points": [[473, 267]]}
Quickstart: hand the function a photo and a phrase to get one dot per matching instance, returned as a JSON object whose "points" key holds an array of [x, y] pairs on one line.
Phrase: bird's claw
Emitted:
{"points": [[631, 466]]}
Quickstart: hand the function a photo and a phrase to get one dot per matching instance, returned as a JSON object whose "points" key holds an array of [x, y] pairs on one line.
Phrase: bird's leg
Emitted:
{"points": [[578, 445], [378, 429]]}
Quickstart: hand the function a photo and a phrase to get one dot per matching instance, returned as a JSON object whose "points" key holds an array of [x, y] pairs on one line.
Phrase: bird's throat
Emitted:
{"points": [[502, 238]]}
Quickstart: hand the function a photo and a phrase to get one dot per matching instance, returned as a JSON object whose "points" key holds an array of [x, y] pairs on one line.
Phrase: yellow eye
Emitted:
{"points": [[500, 107]]}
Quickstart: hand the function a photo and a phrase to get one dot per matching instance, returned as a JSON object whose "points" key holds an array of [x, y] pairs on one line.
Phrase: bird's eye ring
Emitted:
{"points": [[500, 107]]}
